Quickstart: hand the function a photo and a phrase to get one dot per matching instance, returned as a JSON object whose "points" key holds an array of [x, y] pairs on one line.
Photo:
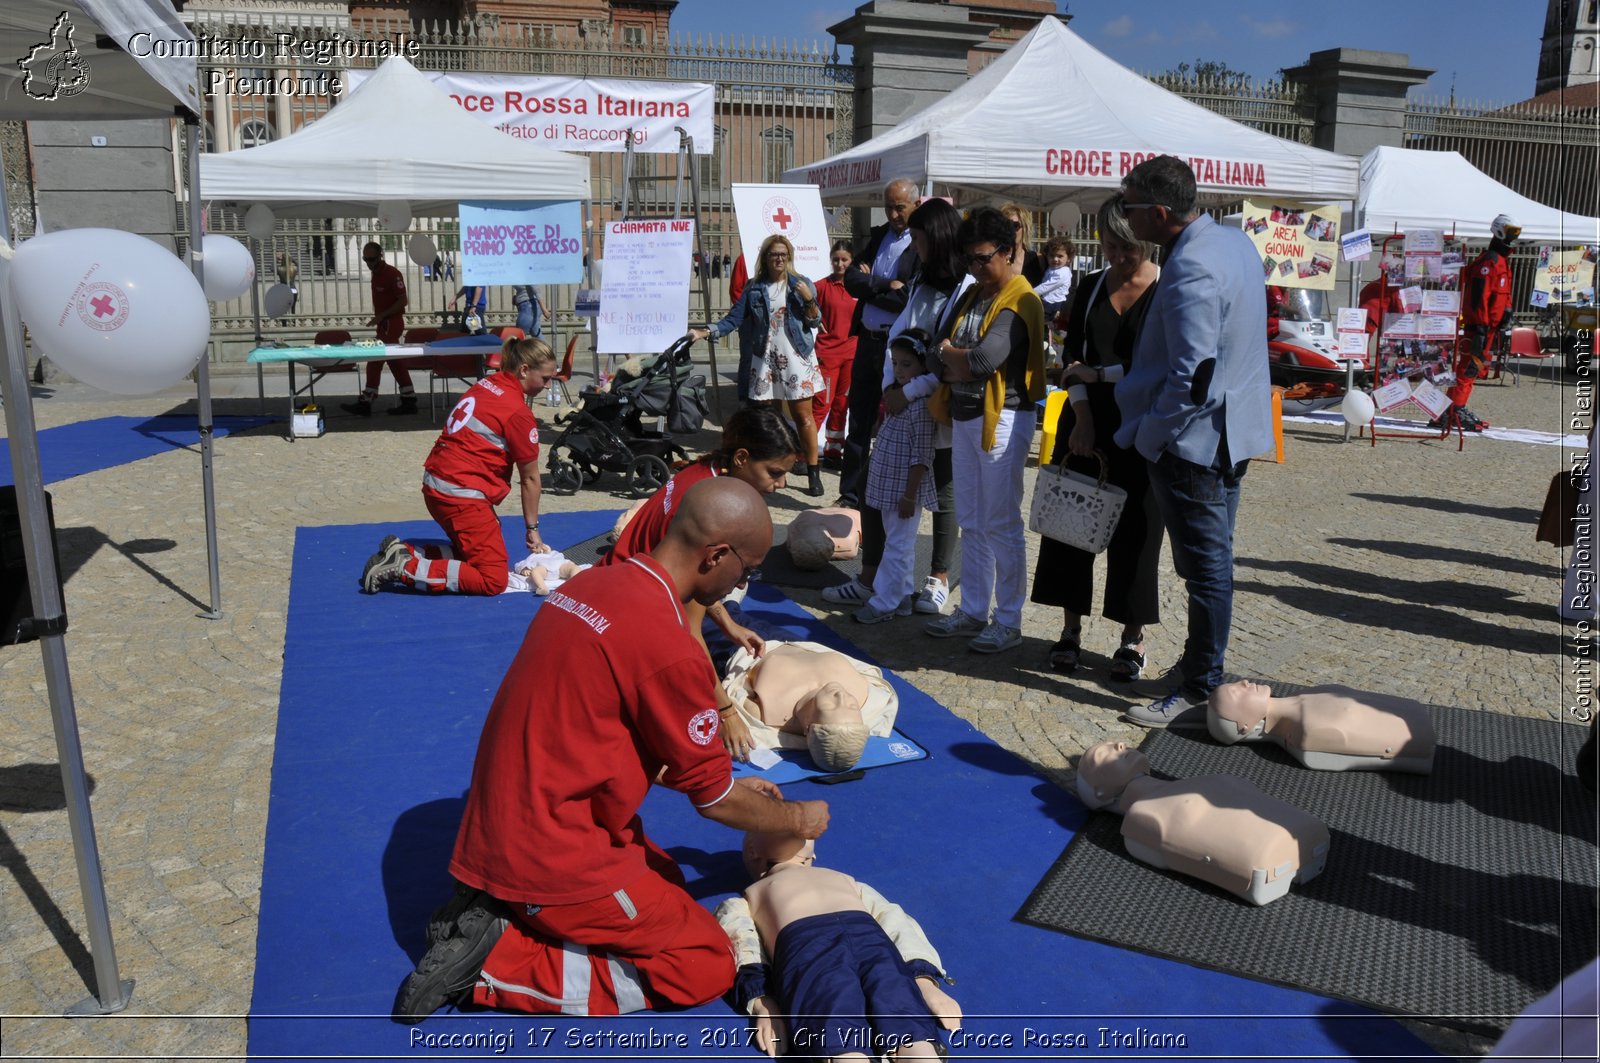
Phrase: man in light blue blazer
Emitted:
{"points": [[1197, 404]]}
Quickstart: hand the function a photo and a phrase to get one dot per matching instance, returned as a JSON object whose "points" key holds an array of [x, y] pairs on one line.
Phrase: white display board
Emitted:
{"points": [[644, 294], [794, 211]]}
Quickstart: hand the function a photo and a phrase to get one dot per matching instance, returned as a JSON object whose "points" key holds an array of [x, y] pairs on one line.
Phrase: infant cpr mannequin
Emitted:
{"points": [[854, 973], [803, 695], [1220, 829], [819, 536], [1332, 728]]}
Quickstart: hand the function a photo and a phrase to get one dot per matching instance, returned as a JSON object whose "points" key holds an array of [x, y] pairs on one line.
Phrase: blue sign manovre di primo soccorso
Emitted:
{"points": [[521, 242]]}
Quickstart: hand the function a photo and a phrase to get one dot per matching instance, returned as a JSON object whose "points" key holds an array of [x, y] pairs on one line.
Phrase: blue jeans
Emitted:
{"points": [[1198, 505], [528, 319]]}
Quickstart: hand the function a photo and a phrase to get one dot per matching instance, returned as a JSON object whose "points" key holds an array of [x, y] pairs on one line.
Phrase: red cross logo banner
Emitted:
{"points": [[779, 215], [103, 306], [703, 727]]}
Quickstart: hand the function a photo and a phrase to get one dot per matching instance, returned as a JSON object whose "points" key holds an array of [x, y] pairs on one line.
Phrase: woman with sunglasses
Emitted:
{"points": [[992, 366], [777, 318]]}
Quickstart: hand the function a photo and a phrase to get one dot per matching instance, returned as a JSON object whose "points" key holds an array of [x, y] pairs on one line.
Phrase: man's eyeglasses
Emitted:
{"points": [[752, 573], [1138, 206], [372, 258], [982, 260]]}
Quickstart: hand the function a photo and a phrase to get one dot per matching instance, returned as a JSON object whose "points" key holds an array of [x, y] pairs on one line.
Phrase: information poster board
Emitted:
{"points": [[1298, 243], [1565, 277], [581, 114], [515, 242], [794, 211], [644, 294]]}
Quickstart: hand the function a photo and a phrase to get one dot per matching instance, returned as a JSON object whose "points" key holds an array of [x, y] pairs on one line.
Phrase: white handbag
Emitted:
{"points": [[1075, 509]]}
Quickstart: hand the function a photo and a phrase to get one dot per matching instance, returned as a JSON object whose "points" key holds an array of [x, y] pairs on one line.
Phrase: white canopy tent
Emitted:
{"points": [[73, 60], [1402, 189], [1055, 120], [111, 71], [396, 137]]}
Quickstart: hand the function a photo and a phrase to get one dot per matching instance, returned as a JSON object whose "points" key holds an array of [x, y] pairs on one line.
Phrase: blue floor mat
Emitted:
{"points": [[383, 698], [89, 446]]}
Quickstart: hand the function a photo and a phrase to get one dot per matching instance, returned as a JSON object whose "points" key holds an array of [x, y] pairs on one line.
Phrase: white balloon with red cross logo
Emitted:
{"points": [[114, 310]]}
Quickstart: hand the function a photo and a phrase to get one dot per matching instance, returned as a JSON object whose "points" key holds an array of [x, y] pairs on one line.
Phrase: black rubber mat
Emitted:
{"points": [[778, 568], [1459, 897]]}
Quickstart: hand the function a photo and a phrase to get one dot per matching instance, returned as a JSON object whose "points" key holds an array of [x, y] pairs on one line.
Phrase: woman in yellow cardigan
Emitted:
{"points": [[992, 365]]}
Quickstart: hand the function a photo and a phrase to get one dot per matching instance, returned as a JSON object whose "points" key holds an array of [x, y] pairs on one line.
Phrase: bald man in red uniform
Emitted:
{"points": [[566, 906]]}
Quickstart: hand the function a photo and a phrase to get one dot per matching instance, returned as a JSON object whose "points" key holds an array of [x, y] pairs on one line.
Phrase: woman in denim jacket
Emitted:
{"points": [[777, 317]]}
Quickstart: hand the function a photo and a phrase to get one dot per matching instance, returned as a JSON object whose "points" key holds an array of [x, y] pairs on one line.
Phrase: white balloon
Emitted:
{"points": [[278, 300], [395, 214], [114, 310], [1065, 216], [259, 221], [422, 250], [1359, 409], [229, 267]]}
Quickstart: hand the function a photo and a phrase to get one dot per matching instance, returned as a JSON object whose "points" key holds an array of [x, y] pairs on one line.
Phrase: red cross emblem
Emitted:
{"points": [[460, 415], [103, 306], [703, 727], [780, 215]]}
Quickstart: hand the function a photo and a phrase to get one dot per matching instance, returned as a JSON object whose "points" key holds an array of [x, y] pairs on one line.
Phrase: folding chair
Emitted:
{"points": [[321, 367], [1525, 345]]}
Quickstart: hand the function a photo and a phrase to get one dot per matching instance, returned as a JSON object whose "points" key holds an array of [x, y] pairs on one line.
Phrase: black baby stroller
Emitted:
{"points": [[607, 434]]}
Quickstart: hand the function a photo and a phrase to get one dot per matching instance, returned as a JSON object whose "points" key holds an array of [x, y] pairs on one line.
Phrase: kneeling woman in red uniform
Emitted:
{"points": [[468, 472], [758, 447]]}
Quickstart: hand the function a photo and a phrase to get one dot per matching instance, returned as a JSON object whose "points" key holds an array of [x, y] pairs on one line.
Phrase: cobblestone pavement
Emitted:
{"points": [[1407, 567]]}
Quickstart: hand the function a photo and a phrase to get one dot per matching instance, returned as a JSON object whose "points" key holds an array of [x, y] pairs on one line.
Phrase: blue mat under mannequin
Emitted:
{"points": [[88, 446], [383, 698]]}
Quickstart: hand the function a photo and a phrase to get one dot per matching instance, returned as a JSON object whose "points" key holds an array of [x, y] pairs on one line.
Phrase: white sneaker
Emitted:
{"points": [[852, 593], [933, 596], [995, 638]]}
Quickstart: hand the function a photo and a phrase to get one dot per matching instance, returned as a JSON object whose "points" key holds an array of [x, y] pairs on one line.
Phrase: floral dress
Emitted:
{"points": [[780, 373]]}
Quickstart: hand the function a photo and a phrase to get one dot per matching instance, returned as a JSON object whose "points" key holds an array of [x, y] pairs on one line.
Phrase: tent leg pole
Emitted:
{"points": [[112, 992], [203, 378]]}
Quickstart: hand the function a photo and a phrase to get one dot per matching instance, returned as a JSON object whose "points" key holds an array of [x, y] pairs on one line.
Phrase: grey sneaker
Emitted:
{"points": [[996, 638], [452, 965], [1178, 709], [385, 566], [1159, 686], [932, 597], [853, 592], [871, 614], [957, 623]]}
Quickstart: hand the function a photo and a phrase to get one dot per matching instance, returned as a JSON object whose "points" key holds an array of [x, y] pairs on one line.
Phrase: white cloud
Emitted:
{"points": [[1277, 27], [1119, 27]]}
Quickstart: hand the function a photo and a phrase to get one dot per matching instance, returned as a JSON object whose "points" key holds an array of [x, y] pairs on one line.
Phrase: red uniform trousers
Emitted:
{"points": [[389, 331], [475, 562], [647, 946], [1469, 364], [829, 406]]}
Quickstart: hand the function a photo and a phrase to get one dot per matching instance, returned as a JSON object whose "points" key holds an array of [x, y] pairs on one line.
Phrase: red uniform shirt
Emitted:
{"points": [[649, 526], [388, 288], [1488, 294], [835, 345], [608, 688], [490, 430]]}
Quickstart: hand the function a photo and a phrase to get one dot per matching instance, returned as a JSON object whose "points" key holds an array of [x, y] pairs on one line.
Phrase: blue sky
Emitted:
{"points": [[1491, 49]]}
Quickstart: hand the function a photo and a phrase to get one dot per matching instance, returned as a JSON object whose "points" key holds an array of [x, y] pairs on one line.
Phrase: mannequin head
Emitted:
{"points": [[1238, 711], [1106, 769], [627, 515], [764, 850], [810, 545], [834, 730]]}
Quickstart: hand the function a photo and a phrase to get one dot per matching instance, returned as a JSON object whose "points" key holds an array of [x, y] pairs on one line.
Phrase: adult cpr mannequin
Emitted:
{"points": [[813, 938], [803, 695], [1332, 728], [1220, 829], [819, 536]]}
